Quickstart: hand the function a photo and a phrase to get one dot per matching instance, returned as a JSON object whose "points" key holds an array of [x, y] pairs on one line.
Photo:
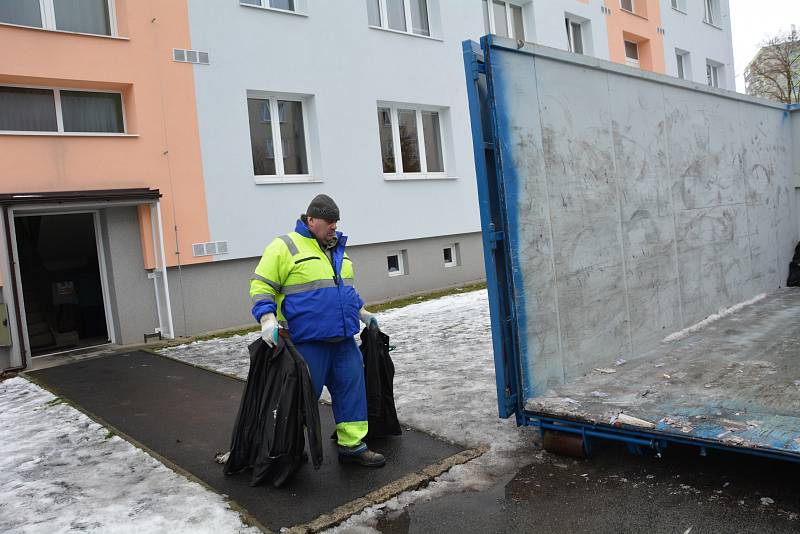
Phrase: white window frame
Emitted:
{"points": [[678, 5], [277, 141], [60, 117], [384, 18], [454, 255], [401, 264], [571, 36], [509, 18], [299, 7], [629, 60], [48, 14], [631, 10], [710, 12], [712, 74], [683, 62], [423, 157]]}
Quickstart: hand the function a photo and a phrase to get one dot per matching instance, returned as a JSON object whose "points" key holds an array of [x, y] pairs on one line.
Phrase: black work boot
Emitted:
{"points": [[361, 455]]}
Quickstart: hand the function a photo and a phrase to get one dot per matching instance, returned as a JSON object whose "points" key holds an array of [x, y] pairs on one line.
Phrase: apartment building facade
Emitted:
{"points": [[150, 151], [688, 39]]}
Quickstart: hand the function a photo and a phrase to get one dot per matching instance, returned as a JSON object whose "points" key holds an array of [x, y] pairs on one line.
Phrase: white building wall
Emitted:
{"points": [[345, 68], [330, 55], [549, 28], [687, 31]]}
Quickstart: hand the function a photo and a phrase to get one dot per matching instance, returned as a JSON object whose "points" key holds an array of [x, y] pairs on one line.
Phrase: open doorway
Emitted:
{"points": [[60, 271]]}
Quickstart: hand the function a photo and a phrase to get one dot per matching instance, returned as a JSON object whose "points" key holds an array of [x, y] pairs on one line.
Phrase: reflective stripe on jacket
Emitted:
{"points": [[297, 280]]}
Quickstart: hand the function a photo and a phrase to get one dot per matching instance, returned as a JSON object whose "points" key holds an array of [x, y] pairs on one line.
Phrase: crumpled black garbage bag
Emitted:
{"points": [[794, 269], [278, 401], [379, 378]]}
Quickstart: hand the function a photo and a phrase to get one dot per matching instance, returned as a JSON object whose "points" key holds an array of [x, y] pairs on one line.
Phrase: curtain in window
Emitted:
{"points": [[432, 135], [282, 4], [22, 12], [409, 140], [261, 137], [84, 16], [374, 12], [396, 12], [92, 112], [387, 144], [27, 110], [419, 17], [293, 138]]}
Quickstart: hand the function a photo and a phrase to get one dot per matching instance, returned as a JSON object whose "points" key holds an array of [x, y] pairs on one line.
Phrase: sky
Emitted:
{"points": [[754, 20]]}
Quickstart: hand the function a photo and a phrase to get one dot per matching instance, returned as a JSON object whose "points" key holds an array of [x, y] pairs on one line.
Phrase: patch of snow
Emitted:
{"points": [[712, 318], [444, 369], [444, 385], [62, 472]]}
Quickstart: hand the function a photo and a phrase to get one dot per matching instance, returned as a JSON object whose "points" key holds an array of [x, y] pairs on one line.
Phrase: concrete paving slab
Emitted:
{"points": [[186, 415]]}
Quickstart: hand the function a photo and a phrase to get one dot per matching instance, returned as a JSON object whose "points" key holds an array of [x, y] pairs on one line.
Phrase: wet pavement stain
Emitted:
{"points": [[616, 491]]}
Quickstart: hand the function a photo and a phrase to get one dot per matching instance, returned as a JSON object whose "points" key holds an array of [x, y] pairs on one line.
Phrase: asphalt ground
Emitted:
{"points": [[186, 415], [616, 491]]}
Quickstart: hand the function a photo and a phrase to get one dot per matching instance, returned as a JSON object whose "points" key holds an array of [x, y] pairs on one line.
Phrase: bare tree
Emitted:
{"points": [[775, 71]]}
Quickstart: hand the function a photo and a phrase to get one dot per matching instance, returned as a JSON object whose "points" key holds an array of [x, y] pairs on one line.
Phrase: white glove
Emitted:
{"points": [[269, 329], [367, 318]]}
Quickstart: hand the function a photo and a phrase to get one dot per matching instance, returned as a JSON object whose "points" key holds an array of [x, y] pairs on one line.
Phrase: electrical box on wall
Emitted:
{"points": [[5, 329]]}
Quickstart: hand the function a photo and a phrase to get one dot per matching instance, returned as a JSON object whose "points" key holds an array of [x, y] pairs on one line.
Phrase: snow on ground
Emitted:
{"points": [[712, 318], [444, 385], [62, 472], [444, 369]]}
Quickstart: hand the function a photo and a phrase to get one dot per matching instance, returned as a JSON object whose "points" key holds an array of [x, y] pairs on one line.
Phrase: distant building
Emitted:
{"points": [[766, 75]]}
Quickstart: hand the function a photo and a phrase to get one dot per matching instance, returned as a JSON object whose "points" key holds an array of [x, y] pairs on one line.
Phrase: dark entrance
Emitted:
{"points": [[61, 284]]}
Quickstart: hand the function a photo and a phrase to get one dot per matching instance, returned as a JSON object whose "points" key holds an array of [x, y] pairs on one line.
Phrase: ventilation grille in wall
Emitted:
{"points": [[190, 56], [213, 248]]}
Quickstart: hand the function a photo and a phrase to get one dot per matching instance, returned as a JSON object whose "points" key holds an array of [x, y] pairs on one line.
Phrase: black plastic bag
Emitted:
{"points": [[794, 269], [278, 402], [379, 378]]}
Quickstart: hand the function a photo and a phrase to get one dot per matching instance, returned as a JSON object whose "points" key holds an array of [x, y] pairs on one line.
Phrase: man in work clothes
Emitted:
{"points": [[306, 278]]}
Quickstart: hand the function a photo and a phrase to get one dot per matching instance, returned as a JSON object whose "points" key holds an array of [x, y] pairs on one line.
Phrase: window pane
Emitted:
{"points": [[448, 255], [85, 16], [631, 50], [627, 4], [409, 142], [23, 12], [293, 138], [27, 110], [516, 17], [282, 4], [679, 58], [393, 263], [251, 2], [419, 17], [577, 38], [387, 144], [486, 16], [374, 12], [92, 112], [396, 14], [500, 21], [261, 137], [433, 141]]}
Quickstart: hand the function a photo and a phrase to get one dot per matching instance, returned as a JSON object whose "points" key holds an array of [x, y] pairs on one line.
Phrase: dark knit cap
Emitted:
{"points": [[323, 207]]}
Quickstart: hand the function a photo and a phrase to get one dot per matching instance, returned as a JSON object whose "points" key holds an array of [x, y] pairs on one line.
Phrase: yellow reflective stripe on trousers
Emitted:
{"points": [[351, 433]]}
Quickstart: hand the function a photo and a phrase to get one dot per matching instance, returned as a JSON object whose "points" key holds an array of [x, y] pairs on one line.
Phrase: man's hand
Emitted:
{"points": [[367, 318], [269, 329]]}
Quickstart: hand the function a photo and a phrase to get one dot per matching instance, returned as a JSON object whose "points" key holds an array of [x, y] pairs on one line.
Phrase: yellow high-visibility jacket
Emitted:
{"points": [[309, 292]]}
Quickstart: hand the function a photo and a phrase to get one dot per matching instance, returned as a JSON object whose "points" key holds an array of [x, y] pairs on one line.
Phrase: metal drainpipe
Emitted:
{"points": [[16, 297]]}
